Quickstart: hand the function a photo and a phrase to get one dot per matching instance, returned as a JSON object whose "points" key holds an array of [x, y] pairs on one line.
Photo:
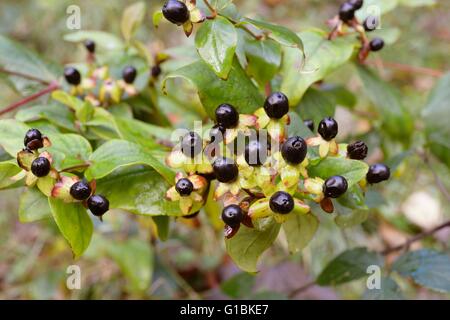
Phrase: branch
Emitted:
{"points": [[51, 87], [409, 68], [25, 76], [305, 287], [210, 7], [416, 238]]}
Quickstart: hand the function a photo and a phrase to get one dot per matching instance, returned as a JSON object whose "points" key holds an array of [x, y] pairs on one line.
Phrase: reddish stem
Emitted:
{"points": [[25, 76], [51, 87]]}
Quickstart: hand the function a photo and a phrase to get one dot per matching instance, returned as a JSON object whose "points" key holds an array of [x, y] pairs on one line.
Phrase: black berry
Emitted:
{"points": [[232, 215], [377, 173], [227, 116], [346, 12], [184, 187], [225, 170], [294, 150], [80, 190], [328, 128], [72, 76], [276, 105], [255, 153], [376, 44], [191, 144], [129, 74], [90, 45], [357, 4], [281, 202], [98, 205], [156, 71], [33, 139], [309, 123], [371, 23], [357, 150], [176, 12], [217, 133], [40, 167], [335, 187]]}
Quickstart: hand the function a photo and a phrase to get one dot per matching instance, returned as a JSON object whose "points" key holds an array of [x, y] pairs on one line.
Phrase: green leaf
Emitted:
{"points": [[15, 57], [120, 153], [389, 290], [57, 115], [300, 230], [8, 169], [349, 265], [340, 95], [426, 267], [352, 170], [136, 261], [435, 115], [66, 99], [238, 90], [216, 42], [323, 57], [315, 105], [33, 206], [163, 225], [248, 245], [69, 150], [417, 3], [132, 18], [396, 119], [141, 133], [264, 59], [239, 285], [12, 133], [347, 218], [144, 192], [74, 223], [103, 40], [280, 34]]}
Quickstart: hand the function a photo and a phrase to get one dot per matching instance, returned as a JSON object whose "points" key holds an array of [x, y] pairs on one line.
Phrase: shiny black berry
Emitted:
{"points": [[90, 45], [98, 205], [40, 167], [227, 116], [281, 202], [335, 187], [255, 153], [31, 136], [156, 71], [217, 133], [225, 170], [371, 23], [276, 105], [346, 12], [191, 144], [72, 76], [129, 74], [378, 173], [328, 128], [309, 123], [184, 187], [232, 215], [357, 150], [376, 44], [80, 190], [294, 150], [176, 12], [357, 4]]}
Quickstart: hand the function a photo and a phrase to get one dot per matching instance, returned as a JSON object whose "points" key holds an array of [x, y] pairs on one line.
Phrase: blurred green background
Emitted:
{"points": [[125, 262]]}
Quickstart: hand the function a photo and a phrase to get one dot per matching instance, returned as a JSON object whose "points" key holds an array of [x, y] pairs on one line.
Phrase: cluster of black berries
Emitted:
{"points": [[33, 141], [82, 191]]}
